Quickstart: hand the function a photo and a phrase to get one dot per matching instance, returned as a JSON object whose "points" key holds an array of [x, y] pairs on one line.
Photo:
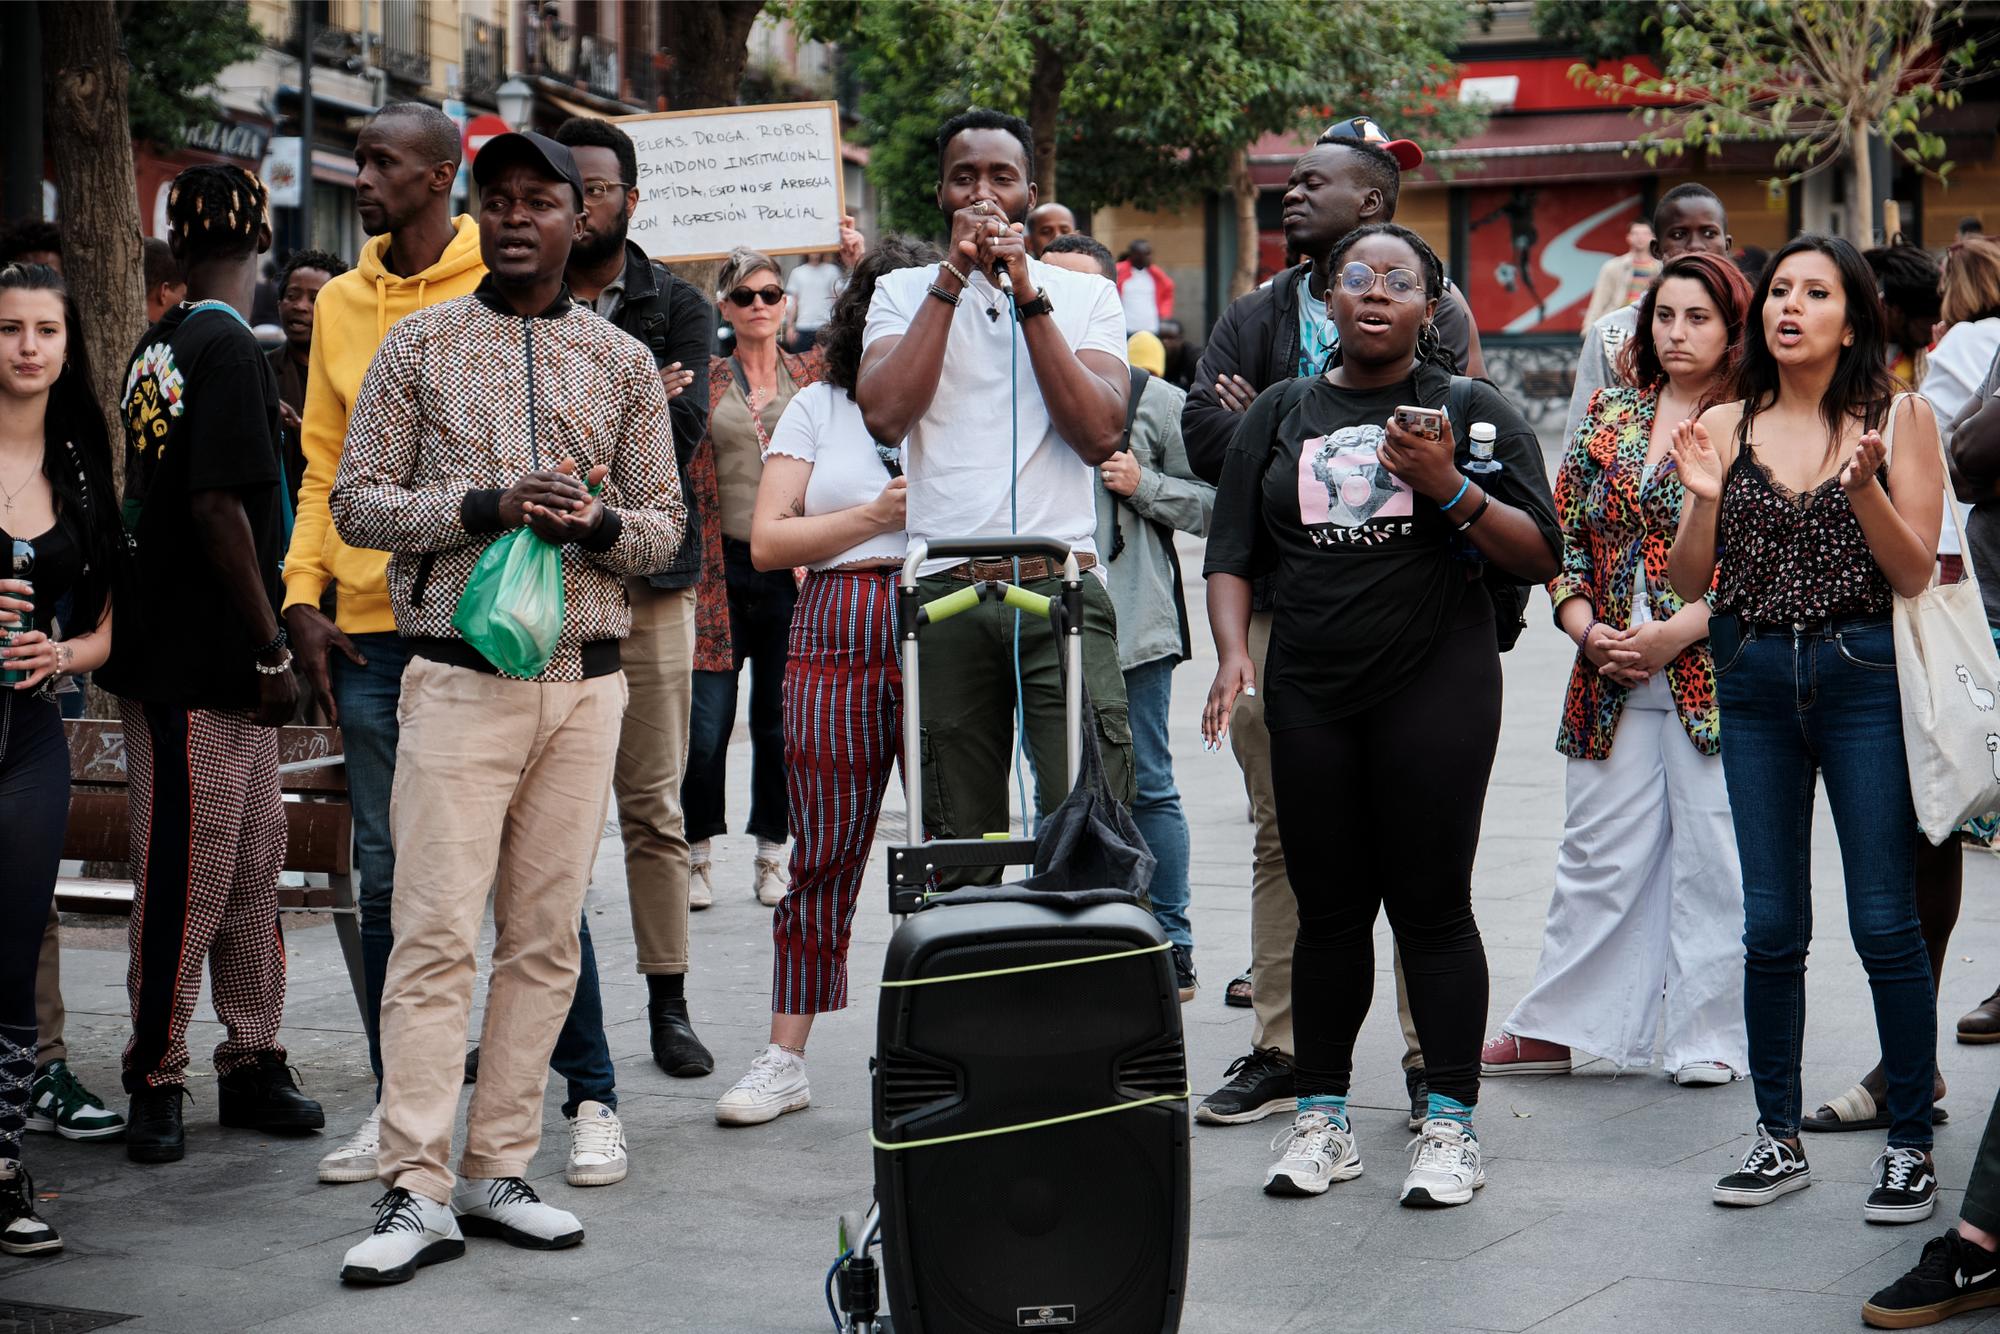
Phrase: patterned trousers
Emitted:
{"points": [[843, 704], [208, 841]]}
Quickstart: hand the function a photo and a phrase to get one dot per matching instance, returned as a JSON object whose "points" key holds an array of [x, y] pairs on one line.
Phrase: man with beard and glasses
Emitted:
{"points": [[1006, 409], [612, 275], [419, 256]]}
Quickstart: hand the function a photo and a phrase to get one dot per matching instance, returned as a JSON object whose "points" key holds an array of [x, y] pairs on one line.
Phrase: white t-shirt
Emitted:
{"points": [[814, 286], [824, 427], [1141, 301], [957, 456], [1957, 364]]}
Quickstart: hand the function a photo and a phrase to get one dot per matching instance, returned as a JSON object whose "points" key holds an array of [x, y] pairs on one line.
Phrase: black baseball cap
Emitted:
{"points": [[1408, 156], [535, 149]]}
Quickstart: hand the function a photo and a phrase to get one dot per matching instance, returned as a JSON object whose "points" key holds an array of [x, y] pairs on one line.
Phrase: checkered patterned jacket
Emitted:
{"points": [[465, 397]]}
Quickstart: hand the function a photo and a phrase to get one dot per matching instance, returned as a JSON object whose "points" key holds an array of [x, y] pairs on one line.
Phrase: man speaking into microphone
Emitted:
{"points": [[1006, 403]]}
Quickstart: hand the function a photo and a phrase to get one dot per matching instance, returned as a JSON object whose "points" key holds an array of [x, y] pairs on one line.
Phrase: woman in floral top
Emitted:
{"points": [[1648, 896]]}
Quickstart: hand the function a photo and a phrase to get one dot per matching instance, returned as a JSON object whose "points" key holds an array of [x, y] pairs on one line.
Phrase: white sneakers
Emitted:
{"points": [[410, 1232], [508, 1208], [1704, 1074], [1444, 1165], [356, 1159], [596, 1147], [775, 1084], [771, 882], [1318, 1151]]}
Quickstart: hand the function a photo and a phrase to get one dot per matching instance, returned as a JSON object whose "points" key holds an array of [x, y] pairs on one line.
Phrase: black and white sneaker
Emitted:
{"points": [[1906, 1187], [1954, 1275], [410, 1231], [1419, 1090], [508, 1208], [22, 1230], [1256, 1086], [1184, 976], [1771, 1168]]}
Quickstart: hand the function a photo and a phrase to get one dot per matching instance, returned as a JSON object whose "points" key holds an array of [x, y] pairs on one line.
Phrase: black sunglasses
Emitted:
{"points": [[743, 296]]}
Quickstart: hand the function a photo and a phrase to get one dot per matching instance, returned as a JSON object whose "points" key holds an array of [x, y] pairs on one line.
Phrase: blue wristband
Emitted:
{"points": [[1464, 485]]}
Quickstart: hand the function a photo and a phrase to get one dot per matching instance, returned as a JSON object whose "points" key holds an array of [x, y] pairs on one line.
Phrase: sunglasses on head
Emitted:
{"points": [[1357, 279], [743, 297]]}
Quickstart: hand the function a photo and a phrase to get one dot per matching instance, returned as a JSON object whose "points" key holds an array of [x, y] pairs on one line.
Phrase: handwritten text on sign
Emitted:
{"points": [[766, 177]]}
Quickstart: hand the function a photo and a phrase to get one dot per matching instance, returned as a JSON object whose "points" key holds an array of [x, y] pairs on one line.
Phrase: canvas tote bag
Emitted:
{"points": [[1949, 676]]}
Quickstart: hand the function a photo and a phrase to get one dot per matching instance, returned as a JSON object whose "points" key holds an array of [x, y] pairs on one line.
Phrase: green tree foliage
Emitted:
{"points": [[176, 48], [1148, 104], [1822, 76], [1603, 29]]}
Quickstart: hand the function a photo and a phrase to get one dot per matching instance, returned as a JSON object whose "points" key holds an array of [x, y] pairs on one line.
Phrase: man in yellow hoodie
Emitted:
{"points": [[418, 255]]}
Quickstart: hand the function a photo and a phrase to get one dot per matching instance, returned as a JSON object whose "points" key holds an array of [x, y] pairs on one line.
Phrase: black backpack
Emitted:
{"points": [[1509, 595]]}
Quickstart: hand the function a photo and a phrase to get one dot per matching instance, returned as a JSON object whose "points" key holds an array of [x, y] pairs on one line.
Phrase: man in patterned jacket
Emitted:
{"points": [[481, 415]]}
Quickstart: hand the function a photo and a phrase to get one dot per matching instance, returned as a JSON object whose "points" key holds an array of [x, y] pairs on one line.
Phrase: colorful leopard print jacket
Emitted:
{"points": [[1617, 519]]}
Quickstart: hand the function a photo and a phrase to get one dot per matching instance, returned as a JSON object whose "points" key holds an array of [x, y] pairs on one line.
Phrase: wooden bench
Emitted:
{"points": [[319, 827]]}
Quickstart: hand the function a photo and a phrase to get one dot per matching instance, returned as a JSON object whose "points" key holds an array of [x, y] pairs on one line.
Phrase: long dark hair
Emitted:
{"points": [[1639, 359], [1430, 348], [1861, 387], [840, 337], [76, 454]]}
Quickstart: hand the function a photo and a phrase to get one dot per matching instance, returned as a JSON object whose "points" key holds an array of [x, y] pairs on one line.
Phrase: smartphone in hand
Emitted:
{"points": [[1426, 422]]}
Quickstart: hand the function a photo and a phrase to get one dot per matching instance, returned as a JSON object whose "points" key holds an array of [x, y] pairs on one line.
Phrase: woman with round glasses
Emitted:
{"points": [[1382, 686], [740, 613], [1648, 898]]}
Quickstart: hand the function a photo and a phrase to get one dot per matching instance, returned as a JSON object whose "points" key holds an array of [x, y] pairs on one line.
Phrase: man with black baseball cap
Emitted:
{"points": [[1350, 176], [511, 407]]}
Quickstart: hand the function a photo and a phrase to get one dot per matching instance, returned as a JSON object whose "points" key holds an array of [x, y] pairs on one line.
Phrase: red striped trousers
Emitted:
{"points": [[843, 703]]}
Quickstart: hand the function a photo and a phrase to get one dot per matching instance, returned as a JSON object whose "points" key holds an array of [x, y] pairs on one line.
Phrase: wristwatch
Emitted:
{"points": [[1027, 310]]}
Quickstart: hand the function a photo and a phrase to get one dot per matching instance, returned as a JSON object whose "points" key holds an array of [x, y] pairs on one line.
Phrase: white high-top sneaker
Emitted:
{"points": [[508, 1208], [411, 1231], [775, 1084], [355, 1160]]}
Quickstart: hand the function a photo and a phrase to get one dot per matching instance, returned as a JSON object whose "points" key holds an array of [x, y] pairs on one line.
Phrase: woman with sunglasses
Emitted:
{"points": [[1808, 526], [1382, 686], [741, 613], [1648, 897], [832, 499]]}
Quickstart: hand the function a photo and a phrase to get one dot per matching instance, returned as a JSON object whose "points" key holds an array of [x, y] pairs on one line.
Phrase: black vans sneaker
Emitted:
{"points": [[1771, 1168], [1954, 1275], [1184, 976], [1258, 1085], [1906, 1189]]}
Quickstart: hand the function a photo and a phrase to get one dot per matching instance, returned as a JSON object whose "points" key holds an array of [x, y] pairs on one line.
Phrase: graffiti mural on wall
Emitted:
{"points": [[1534, 252]]}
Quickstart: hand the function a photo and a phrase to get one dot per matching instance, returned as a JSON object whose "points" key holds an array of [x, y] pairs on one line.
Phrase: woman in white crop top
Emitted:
{"points": [[831, 499]]}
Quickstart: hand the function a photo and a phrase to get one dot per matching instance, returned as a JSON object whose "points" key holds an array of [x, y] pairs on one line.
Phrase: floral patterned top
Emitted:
{"points": [[1618, 520], [713, 651]]}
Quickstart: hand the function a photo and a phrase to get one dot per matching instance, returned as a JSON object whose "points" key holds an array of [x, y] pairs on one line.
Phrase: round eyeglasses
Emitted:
{"points": [[1357, 279]]}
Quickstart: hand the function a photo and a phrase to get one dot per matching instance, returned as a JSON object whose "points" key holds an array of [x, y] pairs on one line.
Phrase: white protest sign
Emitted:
{"points": [[767, 177]]}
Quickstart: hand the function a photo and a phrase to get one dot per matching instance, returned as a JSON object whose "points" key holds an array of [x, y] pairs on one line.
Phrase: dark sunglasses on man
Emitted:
{"points": [[743, 297]]}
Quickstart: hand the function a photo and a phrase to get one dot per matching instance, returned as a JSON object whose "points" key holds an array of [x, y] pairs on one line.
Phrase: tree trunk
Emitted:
{"points": [[1244, 190], [707, 44], [1861, 197], [90, 137], [1045, 90]]}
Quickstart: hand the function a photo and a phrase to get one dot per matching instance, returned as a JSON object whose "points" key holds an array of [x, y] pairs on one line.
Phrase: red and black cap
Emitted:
{"points": [[1408, 156]]}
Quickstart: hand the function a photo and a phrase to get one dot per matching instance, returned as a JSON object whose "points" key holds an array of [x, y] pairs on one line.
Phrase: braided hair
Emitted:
{"points": [[1430, 348], [218, 211]]}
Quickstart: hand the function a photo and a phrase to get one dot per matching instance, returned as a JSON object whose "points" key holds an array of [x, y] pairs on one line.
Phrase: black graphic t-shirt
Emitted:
{"points": [[201, 414], [1368, 572]]}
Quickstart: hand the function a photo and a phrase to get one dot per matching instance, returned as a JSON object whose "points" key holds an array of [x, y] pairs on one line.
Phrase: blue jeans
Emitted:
{"points": [[366, 697], [1157, 809], [1823, 700]]}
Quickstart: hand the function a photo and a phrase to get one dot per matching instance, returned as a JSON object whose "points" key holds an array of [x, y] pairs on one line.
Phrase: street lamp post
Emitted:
{"points": [[516, 101]]}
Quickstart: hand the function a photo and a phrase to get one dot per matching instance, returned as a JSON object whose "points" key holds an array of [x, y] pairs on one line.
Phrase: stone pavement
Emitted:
{"points": [[1596, 1216]]}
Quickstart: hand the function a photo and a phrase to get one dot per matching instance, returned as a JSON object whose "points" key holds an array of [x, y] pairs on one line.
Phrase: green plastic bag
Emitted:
{"points": [[512, 606]]}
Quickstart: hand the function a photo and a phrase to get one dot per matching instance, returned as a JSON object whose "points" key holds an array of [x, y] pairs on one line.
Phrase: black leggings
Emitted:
{"points": [[34, 808], [1381, 809]]}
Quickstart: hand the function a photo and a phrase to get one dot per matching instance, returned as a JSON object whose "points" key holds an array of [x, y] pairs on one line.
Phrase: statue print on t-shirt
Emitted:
{"points": [[1347, 497]]}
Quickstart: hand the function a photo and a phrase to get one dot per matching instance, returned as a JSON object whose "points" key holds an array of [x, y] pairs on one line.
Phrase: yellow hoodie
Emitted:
{"points": [[350, 319]]}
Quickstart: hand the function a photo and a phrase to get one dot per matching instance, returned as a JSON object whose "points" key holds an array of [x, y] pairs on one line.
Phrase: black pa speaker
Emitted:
{"points": [[1031, 1122]]}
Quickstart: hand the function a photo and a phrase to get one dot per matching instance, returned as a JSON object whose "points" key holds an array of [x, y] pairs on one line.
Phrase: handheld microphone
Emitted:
{"points": [[1001, 279]]}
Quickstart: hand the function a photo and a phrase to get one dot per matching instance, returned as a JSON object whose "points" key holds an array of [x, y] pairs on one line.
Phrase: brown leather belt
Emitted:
{"points": [[1032, 568]]}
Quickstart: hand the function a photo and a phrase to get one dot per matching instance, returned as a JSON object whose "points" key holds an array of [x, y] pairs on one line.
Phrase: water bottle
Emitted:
{"points": [[1481, 438], [20, 565]]}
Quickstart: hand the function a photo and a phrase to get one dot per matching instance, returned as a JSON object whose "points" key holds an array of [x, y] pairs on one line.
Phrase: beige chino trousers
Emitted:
{"points": [[501, 785], [652, 756]]}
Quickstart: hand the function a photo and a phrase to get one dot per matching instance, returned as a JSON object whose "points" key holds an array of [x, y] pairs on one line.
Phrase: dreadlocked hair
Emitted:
{"points": [[1430, 347], [217, 210]]}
